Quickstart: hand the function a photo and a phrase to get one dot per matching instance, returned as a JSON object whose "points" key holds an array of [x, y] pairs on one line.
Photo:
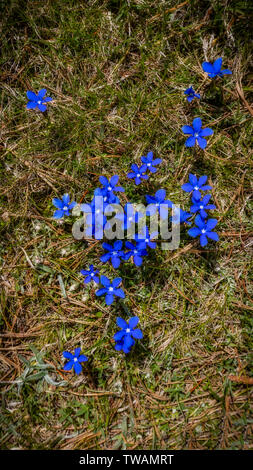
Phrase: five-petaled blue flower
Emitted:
{"points": [[124, 338], [204, 230], [150, 162], [74, 360], [115, 253], [214, 70], [197, 134], [136, 251], [37, 101], [190, 93], [110, 289], [196, 185], [201, 206], [90, 275], [138, 173], [158, 203], [108, 196], [63, 205], [109, 187]]}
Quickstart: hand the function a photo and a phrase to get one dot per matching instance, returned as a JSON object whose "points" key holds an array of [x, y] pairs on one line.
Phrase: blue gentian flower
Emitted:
{"points": [[158, 203], [150, 162], [115, 253], [110, 186], [144, 239], [201, 206], [63, 205], [37, 101], [204, 230], [190, 93], [138, 173], [124, 338], [74, 360], [136, 251], [197, 134], [110, 289], [214, 70], [130, 216], [196, 185], [90, 275], [180, 216]]}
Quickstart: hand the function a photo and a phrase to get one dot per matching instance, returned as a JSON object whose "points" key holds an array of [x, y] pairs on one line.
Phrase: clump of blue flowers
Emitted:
{"points": [[74, 360], [125, 338], [200, 206], [38, 101]]}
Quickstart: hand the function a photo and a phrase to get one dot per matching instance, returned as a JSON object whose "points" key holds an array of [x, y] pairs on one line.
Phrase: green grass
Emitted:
{"points": [[117, 71]]}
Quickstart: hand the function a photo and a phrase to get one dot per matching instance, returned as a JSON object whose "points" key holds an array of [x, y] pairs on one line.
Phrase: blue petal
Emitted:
{"points": [[217, 65], [116, 282], [68, 365], [203, 240], [82, 358], [58, 203], [190, 142], [121, 323], [187, 130], [42, 93], [109, 299], [196, 124], [42, 107], [202, 142], [77, 368], [100, 292], [67, 355], [31, 95], [119, 335], [194, 232], [207, 67], [187, 187], [213, 236], [137, 333], [206, 132], [119, 293], [58, 214], [31, 105], [133, 322], [105, 281]]}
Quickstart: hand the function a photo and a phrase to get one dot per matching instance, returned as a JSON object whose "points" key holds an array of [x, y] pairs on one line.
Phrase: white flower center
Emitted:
{"points": [[138, 175], [201, 207], [109, 188], [39, 102], [196, 134], [92, 274], [65, 208], [114, 253], [75, 359], [135, 251], [130, 218], [157, 204], [105, 198], [203, 230], [128, 330], [147, 240], [110, 289], [97, 211], [149, 164], [196, 188]]}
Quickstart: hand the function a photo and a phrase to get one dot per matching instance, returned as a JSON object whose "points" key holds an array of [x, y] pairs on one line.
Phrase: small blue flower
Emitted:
{"points": [[201, 206], [90, 275], [197, 134], [136, 251], [190, 93], [158, 203], [110, 289], [180, 216], [138, 173], [130, 216], [214, 70], [124, 338], [115, 253], [144, 239], [109, 187], [150, 162], [196, 185], [204, 230], [74, 360], [63, 205], [37, 101]]}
